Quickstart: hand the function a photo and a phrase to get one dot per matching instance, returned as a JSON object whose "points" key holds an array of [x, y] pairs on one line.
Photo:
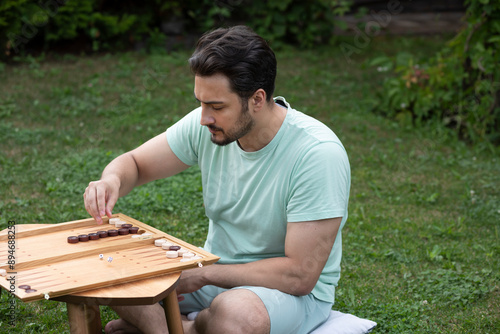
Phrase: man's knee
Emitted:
{"points": [[234, 311]]}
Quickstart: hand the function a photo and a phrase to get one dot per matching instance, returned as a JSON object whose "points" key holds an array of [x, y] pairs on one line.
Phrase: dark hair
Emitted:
{"points": [[241, 55]]}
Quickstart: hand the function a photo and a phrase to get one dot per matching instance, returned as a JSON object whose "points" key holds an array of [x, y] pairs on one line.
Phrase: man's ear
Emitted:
{"points": [[258, 99]]}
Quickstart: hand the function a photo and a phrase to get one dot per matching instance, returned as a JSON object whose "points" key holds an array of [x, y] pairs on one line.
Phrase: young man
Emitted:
{"points": [[275, 187]]}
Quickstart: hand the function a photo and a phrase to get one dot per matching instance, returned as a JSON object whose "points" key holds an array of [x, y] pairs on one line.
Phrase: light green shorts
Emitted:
{"points": [[289, 314]]}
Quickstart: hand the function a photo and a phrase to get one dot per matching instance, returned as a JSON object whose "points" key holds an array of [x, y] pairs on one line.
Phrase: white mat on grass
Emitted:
{"points": [[337, 323], [344, 323]]}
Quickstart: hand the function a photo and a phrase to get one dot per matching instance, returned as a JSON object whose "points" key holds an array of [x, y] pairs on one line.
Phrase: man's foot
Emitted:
{"points": [[120, 327]]}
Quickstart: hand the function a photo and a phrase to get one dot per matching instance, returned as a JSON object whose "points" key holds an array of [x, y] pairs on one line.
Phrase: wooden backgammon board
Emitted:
{"points": [[47, 265]]}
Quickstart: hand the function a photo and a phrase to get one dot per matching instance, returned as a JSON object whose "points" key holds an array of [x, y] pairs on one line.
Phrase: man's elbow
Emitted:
{"points": [[302, 286], [302, 292]]}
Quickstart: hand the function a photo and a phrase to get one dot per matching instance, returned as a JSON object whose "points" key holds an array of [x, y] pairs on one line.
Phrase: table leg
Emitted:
{"points": [[173, 314], [84, 319]]}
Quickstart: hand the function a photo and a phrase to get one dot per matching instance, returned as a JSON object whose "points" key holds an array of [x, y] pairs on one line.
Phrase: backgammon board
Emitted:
{"points": [[42, 263]]}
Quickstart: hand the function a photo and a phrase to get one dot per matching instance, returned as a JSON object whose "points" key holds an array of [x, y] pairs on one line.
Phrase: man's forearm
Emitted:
{"points": [[150, 161], [275, 273], [123, 173], [296, 273]]}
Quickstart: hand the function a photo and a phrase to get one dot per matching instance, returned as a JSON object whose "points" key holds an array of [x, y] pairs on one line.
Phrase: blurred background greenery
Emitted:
{"points": [[459, 85], [84, 81]]}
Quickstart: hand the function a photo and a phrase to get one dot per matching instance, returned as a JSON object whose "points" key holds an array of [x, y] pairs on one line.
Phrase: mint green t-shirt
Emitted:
{"points": [[303, 174]]}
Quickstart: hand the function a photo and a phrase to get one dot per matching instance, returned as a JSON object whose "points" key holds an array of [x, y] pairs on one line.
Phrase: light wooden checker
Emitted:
{"points": [[48, 263]]}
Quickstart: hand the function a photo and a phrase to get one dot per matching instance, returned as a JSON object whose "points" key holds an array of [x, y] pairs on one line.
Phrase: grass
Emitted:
{"points": [[421, 245]]}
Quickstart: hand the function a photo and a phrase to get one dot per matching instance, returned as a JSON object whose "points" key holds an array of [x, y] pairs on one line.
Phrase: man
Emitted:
{"points": [[275, 187]]}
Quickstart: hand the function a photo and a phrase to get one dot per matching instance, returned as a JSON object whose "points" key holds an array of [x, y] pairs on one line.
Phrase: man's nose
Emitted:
{"points": [[206, 116]]}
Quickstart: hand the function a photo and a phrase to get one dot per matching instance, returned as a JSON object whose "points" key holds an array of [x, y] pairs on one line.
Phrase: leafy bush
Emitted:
{"points": [[460, 86], [306, 23], [99, 25], [25, 25]]}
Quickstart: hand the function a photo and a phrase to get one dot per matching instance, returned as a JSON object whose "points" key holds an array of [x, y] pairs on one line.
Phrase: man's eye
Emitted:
{"points": [[216, 108]]}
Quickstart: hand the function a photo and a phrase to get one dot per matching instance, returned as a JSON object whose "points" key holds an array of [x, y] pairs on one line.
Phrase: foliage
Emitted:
{"points": [[304, 23], [460, 85], [90, 25], [27, 25]]}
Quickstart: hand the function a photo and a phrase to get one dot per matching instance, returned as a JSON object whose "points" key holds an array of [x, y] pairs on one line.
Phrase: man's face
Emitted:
{"points": [[221, 110]]}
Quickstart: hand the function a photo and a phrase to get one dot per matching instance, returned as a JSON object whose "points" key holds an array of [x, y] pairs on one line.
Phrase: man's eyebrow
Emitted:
{"points": [[208, 102]]}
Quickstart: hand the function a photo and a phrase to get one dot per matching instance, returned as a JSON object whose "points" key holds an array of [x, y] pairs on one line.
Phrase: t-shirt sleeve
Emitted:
{"points": [[320, 185], [184, 137]]}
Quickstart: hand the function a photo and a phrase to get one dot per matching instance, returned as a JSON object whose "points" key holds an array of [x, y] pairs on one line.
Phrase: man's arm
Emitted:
{"points": [[307, 248], [151, 161]]}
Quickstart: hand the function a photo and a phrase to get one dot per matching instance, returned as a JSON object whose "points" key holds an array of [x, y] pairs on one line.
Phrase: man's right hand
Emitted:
{"points": [[151, 161], [100, 197]]}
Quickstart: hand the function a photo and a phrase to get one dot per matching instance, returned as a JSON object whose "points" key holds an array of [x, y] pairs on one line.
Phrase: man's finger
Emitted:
{"points": [[101, 203], [112, 198], [90, 201]]}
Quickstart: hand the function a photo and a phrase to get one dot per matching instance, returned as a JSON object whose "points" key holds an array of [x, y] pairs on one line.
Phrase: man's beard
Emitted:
{"points": [[243, 125]]}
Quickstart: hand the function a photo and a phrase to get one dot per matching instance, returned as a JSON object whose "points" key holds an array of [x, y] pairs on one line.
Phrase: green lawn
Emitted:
{"points": [[421, 245]]}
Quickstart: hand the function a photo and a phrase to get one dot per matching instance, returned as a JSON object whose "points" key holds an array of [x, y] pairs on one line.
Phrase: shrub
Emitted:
{"points": [[304, 23], [29, 25], [460, 86], [26, 26]]}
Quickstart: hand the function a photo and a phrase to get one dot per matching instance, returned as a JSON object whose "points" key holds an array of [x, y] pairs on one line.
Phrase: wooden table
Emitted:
{"points": [[83, 306]]}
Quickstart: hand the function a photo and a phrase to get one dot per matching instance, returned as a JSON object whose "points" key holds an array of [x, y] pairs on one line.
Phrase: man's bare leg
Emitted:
{"points": [[120, 326], [237, 311], [148, 319]]}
